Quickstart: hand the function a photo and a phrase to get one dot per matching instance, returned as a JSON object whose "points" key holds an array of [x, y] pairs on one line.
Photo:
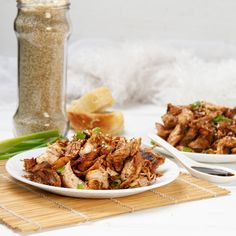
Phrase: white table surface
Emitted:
{"points": [[214, 216]]}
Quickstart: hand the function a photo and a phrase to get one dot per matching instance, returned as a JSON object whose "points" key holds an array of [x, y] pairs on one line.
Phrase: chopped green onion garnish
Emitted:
{"points": [[97, 130], [186, 130], [116, 182], [61, 169], [196, 105], [220, 118], [80, 186], [80, 135], [209, 151], [187, 149], [152, 142]]}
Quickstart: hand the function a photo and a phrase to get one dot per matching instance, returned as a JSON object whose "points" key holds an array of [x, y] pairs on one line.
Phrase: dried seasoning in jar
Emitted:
{"points": [[42, 28]]}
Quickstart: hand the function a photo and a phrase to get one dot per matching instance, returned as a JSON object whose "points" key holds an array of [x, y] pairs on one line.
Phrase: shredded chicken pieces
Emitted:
{"points": [[91, 160], [200, 127]]}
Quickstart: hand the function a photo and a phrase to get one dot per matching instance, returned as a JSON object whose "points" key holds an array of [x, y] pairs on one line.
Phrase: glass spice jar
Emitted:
{"points": [[42, 28]]}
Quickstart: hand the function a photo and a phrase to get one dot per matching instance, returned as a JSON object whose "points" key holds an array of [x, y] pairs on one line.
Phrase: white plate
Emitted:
{"points": [[201, 157], [14, 167]]}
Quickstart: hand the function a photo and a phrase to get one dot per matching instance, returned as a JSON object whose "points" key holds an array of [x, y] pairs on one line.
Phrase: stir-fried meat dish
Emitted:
{"points": [[92, 160], [200, 127]]}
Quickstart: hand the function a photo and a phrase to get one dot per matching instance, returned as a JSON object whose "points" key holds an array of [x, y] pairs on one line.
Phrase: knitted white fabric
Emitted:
{"points": [[157, 73], [147, 72]]}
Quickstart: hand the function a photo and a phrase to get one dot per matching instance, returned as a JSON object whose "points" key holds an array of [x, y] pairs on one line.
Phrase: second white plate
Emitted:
{"points": [[201, 157]]}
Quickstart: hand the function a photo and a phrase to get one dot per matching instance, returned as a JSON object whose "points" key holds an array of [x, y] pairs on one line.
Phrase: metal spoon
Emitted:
{"points": [[217, 174]]}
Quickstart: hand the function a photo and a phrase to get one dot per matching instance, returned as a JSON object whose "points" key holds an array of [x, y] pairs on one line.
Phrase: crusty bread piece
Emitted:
{"points": [[109, 122], [88, 112], [94, 101]]}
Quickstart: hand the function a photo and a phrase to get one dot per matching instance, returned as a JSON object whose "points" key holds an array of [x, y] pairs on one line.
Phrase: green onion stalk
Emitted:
{"points": [[14, 146]]}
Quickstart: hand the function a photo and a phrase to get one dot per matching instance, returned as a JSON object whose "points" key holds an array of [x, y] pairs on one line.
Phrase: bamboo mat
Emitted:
{"points": [[25, 208]]}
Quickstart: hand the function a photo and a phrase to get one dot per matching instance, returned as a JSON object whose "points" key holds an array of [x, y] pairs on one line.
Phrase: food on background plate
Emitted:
{"points": [[89, 112], [200, 127], [93, 160]]}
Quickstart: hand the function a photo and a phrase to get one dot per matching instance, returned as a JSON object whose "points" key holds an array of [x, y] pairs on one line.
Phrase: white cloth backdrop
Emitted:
{"points": [[144, 71]]}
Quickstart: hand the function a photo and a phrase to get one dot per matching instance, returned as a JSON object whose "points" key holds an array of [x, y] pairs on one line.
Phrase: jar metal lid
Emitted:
{"points": [[44, 2]]}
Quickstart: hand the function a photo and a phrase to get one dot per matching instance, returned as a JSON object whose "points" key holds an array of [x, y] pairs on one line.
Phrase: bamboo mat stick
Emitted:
{"points": [[25, 208]]}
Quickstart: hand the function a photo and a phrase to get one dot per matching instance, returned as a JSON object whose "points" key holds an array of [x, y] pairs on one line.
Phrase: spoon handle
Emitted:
{"points": [[195, 168], [185, 161]]}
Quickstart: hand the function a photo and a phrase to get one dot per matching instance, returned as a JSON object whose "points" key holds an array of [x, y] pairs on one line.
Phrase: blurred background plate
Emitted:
{"points": [[200, 157]]}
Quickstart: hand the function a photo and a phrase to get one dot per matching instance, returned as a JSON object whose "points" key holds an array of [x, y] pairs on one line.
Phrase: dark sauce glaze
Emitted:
{"points": [[213, 171]]}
